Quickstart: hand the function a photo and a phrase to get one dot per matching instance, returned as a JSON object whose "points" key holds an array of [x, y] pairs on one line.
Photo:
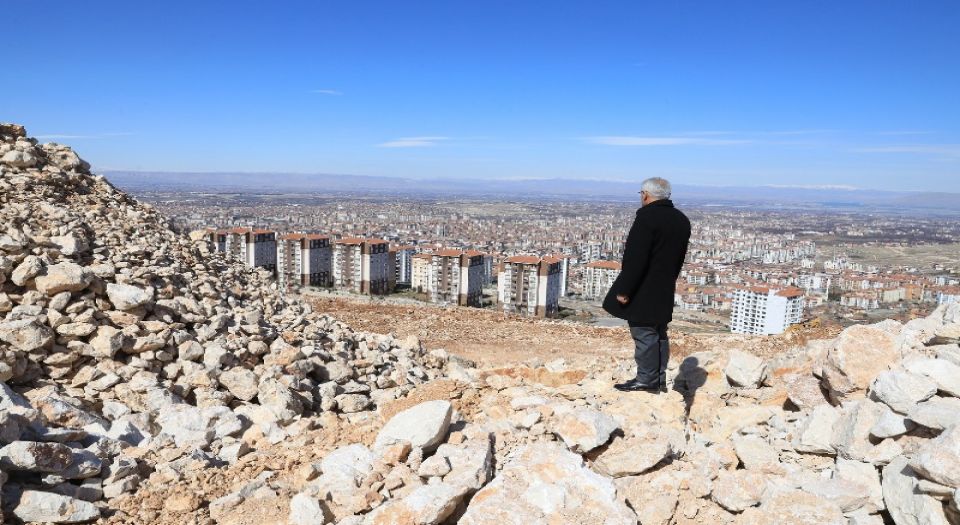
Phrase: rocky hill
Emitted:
{"points": [[144, 379]]}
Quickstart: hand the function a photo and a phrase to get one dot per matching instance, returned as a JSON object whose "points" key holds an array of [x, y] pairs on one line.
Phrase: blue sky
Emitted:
{"points": [[813, 93]]}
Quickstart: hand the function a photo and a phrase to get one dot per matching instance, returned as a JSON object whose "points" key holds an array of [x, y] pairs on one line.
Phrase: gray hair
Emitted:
{"points": [[657, 188]]}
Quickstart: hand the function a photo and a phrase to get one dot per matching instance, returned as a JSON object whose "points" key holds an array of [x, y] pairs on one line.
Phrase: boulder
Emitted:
{"points": [[423, 426], [857, 356], [63, 277], [127, 297], [815, 433], [632, 455], [738, 490], [906, 505], [47, 507], [793, 508], [543, 484], [944, 373], [939, 459], [745, 370], [242, 383], [937, 413], [348, 465], [890, 424], [851, 435], [902, 390], [653, 496], [425, 505], [26, 334], [33, 456], [865, 475], [755, 453], [584, 429]]}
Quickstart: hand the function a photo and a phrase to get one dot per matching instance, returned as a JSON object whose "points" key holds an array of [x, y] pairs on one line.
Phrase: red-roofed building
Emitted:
{"points": [[598, 278], [363, 266], [304, 260], [764, 310]]}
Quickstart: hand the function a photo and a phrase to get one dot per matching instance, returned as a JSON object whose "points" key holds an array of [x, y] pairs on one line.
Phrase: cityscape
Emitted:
{"points": [[753, 270]]}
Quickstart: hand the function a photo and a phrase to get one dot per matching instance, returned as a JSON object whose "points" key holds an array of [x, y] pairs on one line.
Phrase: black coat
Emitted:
{"points": [[652, 258]]}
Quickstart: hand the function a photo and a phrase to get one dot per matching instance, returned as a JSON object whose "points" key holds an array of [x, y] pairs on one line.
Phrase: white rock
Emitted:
{"points": [[890, 424], [937, 413], [851, 436], [423, 426], [944, 373], [755, 453], [425, 505], [349, 464], [584, 429], [543, 484], [306, 510], [128, 297], [905, 504], [745, 370], [26, 334], [633, 455], [63, 277], [857, 356], [939, 459], [739, 489], [242, 383], [46, 507], [902, 390], [865, 475], [815, 433], [793, 508]]}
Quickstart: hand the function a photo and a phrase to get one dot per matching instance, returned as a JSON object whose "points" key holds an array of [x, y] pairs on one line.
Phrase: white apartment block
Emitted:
{"points": [[404, 263], [598, 278], [765, 311], [530, 286], [304, 260], [564, 271], [363, 266], [255, 248]]}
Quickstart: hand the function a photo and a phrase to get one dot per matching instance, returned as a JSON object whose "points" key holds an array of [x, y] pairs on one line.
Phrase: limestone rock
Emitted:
{"points": [[755, 453], [543, 484], [26, 334], [906, 505], [46, 507], [745, 370], [739, 489], [793, 508], [242, 383], [423, 426], [63, 277], [632, 455], [902, 390], [944, 373], [939, 459], [584, 429], [937, 413], [815, 433], [851, 436], [857, 356], [128, 297], [891, 424], [425, 505]]}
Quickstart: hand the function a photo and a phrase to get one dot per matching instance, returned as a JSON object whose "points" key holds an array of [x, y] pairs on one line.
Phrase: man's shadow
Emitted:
{"points": [[690, 377]]}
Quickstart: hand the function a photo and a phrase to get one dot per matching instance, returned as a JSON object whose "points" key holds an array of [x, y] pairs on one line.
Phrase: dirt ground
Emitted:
{"points": [[494, 339]]}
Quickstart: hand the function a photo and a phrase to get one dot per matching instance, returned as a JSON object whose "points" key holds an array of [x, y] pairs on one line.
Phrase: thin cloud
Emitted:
{"points": [[662, 141], [332, 92], [413, 142], [903, 132], [946, 150], [71, 136]]}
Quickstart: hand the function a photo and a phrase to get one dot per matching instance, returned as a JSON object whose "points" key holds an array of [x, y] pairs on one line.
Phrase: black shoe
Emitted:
{"points": [[636, 386]]}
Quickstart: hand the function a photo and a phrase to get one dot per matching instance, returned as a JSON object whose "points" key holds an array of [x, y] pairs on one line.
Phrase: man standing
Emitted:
{"points": [[643, 292]]}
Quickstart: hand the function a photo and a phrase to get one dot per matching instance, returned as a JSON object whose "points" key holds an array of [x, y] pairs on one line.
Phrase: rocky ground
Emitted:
{"points": [[145, 380]]}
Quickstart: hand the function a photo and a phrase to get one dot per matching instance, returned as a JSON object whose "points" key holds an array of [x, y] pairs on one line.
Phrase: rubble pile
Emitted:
{"points": [[126, 349]]}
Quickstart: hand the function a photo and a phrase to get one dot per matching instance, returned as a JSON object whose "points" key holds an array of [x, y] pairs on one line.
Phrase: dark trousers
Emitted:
{"points": [[652, 353]]}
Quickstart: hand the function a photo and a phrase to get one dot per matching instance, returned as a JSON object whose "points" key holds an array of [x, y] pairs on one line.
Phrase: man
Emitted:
{"points": [[643, 292]]}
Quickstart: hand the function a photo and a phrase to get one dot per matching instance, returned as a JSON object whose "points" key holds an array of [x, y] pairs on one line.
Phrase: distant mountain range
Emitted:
{"points": [[826, 197]]}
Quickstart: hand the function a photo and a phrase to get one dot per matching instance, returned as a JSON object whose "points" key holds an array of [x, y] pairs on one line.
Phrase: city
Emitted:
{"points": [[748, 270]]}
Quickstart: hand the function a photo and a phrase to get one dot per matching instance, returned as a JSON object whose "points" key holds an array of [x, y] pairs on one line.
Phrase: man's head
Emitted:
{"points": [[654, 189]]}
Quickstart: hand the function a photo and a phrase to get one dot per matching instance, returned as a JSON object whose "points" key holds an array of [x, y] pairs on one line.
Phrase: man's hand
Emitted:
{"points": [[623, 299]]}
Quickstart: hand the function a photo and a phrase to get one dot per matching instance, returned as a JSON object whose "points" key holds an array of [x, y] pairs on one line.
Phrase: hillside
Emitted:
{"points": [[144, 379]]}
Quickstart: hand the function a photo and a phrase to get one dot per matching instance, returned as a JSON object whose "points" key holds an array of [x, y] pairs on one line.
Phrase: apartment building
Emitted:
{"points": [[363, 266], [451, 276], [254, 247], [530, 285], [421, 272], [564, 270], [403, 257], [598, 278], [765, 311], [304, 260], [487, 275]]}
